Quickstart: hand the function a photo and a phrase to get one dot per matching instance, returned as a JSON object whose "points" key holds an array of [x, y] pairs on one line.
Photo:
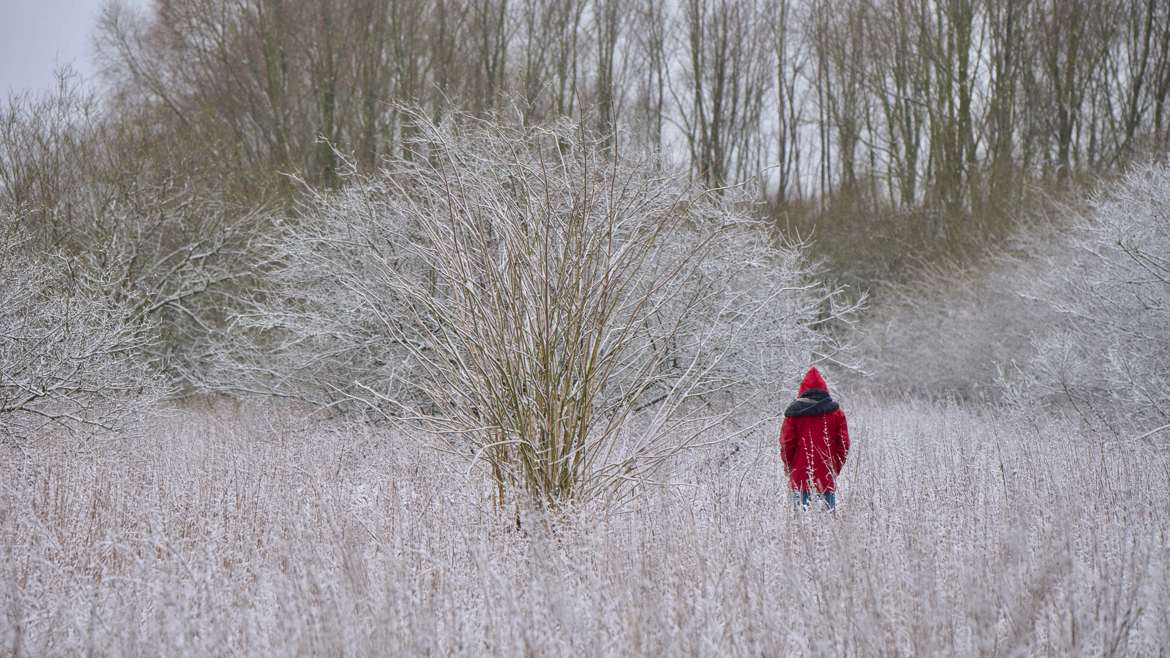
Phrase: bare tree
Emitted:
{"points": [[1007, 49], [650, 36], [789, 59], [1160, 84], [490, 31], [536, 46], [1069, 55], [728, 74]]}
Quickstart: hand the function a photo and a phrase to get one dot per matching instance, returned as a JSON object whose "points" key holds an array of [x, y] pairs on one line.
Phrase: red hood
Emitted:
{"points": [[812, 379]]}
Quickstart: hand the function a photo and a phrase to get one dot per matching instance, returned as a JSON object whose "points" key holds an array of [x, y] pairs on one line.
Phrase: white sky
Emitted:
{"points": [[38, 35]]}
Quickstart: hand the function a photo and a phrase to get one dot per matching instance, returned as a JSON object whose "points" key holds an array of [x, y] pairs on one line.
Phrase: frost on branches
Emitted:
{"points": [[70, 359], [1073, 315], [570, 318], [1107, 281]]}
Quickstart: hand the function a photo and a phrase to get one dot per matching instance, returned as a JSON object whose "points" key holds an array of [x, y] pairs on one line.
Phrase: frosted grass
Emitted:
{"points": [[239, 533]]}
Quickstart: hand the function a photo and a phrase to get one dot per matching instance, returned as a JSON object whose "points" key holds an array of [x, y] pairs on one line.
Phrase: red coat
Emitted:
{"points": [[814, 439]]}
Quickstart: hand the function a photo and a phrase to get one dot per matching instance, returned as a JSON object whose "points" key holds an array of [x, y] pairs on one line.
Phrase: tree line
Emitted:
{"points": [[948, 104]]}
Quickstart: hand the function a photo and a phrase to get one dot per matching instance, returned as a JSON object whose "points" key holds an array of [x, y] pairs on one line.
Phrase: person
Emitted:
{"points": [[814, 441]]}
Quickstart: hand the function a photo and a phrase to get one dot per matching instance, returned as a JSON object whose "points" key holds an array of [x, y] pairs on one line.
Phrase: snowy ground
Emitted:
{"points": [[958, 533]]}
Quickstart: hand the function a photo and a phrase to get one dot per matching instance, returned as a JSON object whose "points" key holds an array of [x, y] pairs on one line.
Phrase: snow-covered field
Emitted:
{"points": [[222, 532]]}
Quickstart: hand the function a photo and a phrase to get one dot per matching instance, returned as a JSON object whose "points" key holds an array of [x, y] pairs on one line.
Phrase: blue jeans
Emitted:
{"points": [[802, 498]]}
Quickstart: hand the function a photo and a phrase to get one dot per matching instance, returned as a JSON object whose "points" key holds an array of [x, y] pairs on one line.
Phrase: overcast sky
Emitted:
{"points": [[37, 35]]}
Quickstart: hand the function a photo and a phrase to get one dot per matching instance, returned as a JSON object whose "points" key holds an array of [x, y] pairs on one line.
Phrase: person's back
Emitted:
{"points": [[814, 441]]}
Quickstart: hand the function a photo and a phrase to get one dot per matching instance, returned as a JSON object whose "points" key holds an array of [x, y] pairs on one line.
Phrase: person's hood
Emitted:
{"points": [[812, 379], [813, 398]]}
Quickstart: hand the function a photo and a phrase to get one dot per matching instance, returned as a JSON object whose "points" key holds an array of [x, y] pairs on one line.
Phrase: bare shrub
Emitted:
{"points": [[525, 295]]}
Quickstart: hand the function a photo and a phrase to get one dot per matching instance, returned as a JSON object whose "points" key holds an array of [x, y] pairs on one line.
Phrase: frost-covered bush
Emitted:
{"points": [[1104, 281], [949, 334], [571, 318], [70, 358], [1075, 309], [106, 198]]}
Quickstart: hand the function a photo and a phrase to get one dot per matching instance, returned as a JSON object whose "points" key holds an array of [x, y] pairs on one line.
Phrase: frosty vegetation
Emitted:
{"points": [[960, 532], [81, 205], [531, 300], [1107, 281], [517, 392], [1073, 314], [71, 358]]}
